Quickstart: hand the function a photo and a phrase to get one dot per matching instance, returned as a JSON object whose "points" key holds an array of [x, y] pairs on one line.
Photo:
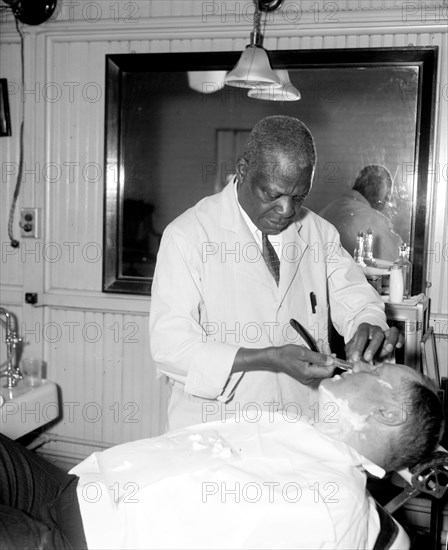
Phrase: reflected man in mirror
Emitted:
{"points": [[362, 208]]}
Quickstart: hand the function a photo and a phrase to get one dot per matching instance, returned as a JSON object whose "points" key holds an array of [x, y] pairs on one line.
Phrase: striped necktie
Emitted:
{"points": [[271, 258]]}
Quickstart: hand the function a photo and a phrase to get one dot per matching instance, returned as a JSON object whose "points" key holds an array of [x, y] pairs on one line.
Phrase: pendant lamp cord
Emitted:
{"points": [[257, 19], [264, 22], [14, 242]]}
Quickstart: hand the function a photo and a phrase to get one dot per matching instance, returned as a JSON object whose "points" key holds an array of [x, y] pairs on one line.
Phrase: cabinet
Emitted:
{"points": [[411, 317]]}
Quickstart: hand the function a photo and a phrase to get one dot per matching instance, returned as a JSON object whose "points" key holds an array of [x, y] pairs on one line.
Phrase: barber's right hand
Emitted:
{"points": [[302, 364]]}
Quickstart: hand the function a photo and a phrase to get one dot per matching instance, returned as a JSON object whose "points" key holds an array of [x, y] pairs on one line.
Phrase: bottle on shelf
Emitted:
{"points": [[369, 260], [359, 250], [396, 284], [403, 261]]}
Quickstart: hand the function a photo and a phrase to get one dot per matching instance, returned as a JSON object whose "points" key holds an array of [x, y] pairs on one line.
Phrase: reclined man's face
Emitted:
{"points": [[367, 386]]}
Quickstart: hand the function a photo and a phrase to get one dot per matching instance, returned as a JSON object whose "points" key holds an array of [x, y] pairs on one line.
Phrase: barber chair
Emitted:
{"points": [[429, 480]]}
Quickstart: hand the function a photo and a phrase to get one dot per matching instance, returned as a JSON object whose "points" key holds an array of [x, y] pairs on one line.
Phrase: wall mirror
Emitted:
{"points": [[172, 133]]}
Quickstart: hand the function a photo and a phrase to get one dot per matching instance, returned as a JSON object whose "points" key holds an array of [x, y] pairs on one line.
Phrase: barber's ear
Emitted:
{"points": [[241, 168], [390, 415]]}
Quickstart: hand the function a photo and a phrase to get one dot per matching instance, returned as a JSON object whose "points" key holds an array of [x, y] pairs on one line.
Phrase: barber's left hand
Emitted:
{"points": [[370, 341]]}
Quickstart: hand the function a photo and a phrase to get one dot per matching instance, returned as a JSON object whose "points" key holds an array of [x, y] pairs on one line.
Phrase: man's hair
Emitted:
{"points": [[374, 182], [422, 428], [280, 134]]}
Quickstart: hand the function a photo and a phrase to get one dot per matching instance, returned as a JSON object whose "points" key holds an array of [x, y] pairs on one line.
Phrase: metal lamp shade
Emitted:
{"points": [[253, 70], [286, 92]]}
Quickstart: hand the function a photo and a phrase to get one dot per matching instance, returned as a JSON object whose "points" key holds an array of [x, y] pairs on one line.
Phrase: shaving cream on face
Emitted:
{"points": [[345, 420]]}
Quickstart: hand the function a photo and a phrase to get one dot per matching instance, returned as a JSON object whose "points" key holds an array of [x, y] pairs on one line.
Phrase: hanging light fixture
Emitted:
{"points": [[286, 92], [206, 82], [253, 69]]}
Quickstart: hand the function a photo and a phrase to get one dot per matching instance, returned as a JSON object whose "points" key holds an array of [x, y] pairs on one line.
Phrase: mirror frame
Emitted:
{"points": [[118, 65]]}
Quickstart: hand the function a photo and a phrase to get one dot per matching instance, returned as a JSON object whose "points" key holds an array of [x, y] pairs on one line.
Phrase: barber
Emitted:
{"points": [[234, 269]]}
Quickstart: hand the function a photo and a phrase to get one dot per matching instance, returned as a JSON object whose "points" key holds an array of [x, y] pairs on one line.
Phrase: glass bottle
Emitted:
{"points": [[403, 261], [359, 250], [396, 284], [368, 249]]}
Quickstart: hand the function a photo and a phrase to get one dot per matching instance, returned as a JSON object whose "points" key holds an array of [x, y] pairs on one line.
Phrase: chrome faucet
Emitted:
{"points": [[10, 368]]}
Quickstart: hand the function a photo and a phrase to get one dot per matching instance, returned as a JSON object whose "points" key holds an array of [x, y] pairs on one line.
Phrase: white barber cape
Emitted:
{"points": [[213, 294], [265, 482]]}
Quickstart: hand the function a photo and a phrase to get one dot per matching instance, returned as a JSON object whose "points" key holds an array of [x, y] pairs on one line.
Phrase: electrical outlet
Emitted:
{"points": [[29, 222], [31, 298]]}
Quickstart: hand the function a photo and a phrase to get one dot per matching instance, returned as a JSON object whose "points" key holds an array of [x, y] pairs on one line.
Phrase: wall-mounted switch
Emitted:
{"points": [[30, 222]]}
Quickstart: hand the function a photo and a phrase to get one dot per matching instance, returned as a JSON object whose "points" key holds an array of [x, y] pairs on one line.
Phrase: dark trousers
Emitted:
{"points": [[38, 503]]}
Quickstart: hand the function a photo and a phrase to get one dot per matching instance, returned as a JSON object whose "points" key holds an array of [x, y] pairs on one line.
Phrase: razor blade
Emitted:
{"points": [[341, 364], [300, 329]]}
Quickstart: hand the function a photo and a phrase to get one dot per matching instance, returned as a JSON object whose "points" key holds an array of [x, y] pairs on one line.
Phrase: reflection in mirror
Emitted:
{"points": [[180, 131]]}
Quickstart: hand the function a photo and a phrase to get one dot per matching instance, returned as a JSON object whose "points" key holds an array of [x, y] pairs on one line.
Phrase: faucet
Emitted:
{"points": [[10, 369]]}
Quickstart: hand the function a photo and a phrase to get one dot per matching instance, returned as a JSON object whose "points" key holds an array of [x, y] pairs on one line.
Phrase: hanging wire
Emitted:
{"points": [[14, 242], [257, 14], [264, 22], [257, 19], [266, 8]]}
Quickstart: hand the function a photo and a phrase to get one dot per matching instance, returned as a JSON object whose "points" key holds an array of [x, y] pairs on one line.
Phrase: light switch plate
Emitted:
{"points": [[30, 222]]}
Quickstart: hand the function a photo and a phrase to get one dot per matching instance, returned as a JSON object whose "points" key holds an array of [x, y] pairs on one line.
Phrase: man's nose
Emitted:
{"points": [[285, 206]]}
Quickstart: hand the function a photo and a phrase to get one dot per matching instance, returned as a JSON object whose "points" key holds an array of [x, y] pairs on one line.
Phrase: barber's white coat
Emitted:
{"points": [[212, 294]]}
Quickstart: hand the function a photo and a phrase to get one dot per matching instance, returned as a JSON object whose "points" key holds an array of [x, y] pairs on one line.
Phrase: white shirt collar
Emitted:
{"points": [[372, 468], [250, 224]]}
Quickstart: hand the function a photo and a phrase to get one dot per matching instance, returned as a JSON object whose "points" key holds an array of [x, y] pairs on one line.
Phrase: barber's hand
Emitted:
{"points": [[302, 364], [370, 341]]}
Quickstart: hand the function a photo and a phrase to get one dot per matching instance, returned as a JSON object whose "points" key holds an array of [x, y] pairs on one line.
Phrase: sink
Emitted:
{"points": [[25, 408]]}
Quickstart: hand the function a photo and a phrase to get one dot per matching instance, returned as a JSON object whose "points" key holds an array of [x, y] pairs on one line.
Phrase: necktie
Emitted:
{"points": [[271, 258]]}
